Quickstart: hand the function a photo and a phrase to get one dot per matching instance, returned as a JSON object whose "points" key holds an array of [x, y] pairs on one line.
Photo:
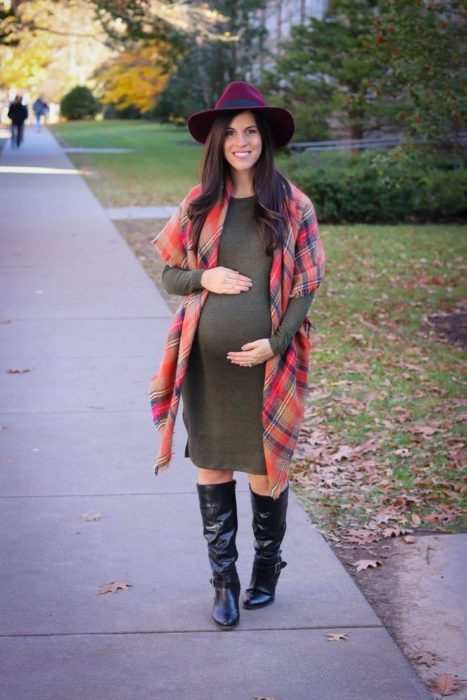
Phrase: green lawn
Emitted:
{"points": [[382, 446], [160, 169], [383, 440]]}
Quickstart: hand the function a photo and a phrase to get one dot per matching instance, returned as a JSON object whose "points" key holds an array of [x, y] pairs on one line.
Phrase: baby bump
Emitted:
{"points": [[230, 320]]}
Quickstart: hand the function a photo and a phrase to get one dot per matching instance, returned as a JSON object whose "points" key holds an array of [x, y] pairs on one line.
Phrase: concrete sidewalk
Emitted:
{"points": [[80, 314]]}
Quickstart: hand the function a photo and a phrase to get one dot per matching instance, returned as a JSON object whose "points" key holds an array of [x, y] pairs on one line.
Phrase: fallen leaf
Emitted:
{"points": [[428, 658], [410, 539], [4, 321], [403, 452], [360, 536], [416, 520], [402, 417], [17, 370], [343, 452], [422, 430], [394, 532], [90, 516], [337, 636], [444, 684], [114, 586], [363, 564], [264, 697]]}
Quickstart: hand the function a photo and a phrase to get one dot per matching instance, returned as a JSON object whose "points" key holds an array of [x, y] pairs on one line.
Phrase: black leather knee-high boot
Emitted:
{"points": [[269, 525], [218, 508]]}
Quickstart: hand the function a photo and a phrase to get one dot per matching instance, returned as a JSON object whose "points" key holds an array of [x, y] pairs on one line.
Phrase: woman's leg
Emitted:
{"points": [[218, 507], [214, 476], [260, 484]]}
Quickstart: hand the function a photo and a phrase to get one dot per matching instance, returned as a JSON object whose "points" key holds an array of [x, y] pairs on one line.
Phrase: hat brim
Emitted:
{"points": [[281, 123]]}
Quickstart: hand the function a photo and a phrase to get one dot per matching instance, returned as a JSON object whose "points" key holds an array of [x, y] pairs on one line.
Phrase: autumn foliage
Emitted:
{"points": [[133, 79]]}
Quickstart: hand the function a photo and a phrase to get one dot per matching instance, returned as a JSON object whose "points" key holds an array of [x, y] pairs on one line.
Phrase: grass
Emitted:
{"points": [[160, 169], [383, 440], [381, 377]]}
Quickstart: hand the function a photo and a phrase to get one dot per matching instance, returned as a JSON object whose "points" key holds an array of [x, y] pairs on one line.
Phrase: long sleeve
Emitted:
{"points": [[295, 313], [179, 281]]}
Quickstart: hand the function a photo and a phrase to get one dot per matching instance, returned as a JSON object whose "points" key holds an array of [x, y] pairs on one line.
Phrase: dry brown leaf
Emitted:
{"points": [[114, 586], [358, 338], [344, 452], [337, 637], [90, 516], [428, 658], [17, 370], [394, 532], [363, 564], [410, 539], [360, 536], [402, 417], [403, 452], [445, 684], [264, 697], [422, 430]]}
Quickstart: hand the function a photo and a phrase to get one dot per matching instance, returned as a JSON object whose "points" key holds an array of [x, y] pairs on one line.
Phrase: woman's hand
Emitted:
{"points": [[254, 353], [222, 280]]}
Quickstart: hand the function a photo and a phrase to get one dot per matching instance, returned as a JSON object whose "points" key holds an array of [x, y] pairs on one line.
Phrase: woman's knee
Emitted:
{"points": [[214, 476], [259, 484]]}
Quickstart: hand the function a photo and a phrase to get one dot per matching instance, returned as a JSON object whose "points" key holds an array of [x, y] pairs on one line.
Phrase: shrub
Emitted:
{"points": [[375, 187], [79, 103]]}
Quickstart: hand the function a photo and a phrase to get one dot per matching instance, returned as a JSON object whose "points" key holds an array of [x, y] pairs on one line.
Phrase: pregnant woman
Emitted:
{"points": [[244, 251]]}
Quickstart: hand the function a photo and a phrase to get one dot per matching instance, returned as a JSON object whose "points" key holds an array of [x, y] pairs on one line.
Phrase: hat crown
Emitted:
{"points": [[239, 95]]}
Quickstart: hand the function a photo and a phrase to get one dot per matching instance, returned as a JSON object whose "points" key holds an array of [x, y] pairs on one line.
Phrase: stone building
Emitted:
{"points": [[277, 17]]}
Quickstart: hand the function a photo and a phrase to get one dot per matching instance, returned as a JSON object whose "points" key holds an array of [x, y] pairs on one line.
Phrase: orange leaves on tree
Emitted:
{"points": [[133, 78]]}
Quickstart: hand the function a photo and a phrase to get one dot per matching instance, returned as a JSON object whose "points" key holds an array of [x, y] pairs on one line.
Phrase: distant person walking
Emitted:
{"points": [[244, 251], [40, 109], [18, 113]]}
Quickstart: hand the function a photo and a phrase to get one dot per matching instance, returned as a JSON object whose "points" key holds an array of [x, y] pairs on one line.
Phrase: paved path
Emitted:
{"points": [[87, 323], [158, 212]]}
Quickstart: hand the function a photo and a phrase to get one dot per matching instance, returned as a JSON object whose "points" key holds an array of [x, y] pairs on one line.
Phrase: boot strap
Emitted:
{"points": [[224, 583], [275, 568]]}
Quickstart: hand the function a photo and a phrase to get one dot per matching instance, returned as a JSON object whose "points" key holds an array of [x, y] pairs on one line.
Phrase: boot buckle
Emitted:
{"points": [[279, 566]]}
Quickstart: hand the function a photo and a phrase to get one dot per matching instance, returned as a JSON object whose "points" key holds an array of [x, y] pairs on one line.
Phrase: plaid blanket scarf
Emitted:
{"points": [[297, 269]]}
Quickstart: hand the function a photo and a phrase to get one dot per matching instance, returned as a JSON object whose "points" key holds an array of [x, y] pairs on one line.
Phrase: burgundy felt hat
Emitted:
{"points": [[240, 96]]}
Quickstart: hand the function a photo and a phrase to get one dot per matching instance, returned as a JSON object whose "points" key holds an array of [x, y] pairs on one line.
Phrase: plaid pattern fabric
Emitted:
{"points": [[297, 269]]}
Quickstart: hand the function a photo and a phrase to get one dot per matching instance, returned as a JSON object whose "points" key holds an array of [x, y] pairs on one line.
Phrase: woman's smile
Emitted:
{"points": [[242, 143]]}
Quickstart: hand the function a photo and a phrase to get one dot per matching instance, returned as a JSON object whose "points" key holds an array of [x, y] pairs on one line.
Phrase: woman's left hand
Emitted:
{"points": [[254, 353]]}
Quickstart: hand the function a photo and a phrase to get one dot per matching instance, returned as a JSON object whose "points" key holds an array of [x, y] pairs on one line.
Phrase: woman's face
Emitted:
{"points": [[242, 143]]}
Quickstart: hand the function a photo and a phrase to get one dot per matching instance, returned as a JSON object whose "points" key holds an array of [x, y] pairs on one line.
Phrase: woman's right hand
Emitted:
{"points": [[222, 280]]}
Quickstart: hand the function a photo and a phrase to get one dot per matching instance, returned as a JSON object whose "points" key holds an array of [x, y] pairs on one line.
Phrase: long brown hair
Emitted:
{"points": [[271, 188]]}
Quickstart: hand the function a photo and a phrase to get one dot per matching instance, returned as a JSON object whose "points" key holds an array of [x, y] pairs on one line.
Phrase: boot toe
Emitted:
{"points": [[257, 599]]}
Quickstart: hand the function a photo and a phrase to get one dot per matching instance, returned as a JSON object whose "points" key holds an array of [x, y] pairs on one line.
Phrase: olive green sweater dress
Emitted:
{"points": [[222, 402]]}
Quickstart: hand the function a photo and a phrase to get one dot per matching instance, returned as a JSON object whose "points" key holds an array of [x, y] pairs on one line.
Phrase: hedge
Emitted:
{"points": [[382, 187], [79, 103]]}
